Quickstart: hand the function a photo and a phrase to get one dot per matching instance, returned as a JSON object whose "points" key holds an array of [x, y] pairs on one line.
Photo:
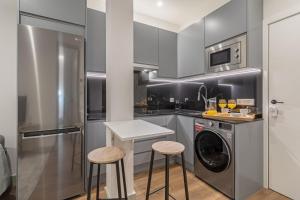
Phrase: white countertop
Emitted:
{"points": [[136, 129]]}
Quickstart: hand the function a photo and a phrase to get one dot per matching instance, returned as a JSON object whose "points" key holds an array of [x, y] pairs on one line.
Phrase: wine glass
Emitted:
{"points": [[231, 104], [222, 103]]}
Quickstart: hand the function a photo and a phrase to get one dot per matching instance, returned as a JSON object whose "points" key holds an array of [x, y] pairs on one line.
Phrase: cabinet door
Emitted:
{"points": [[96, 41], [142, 148], [95, 136], [191, 59], [172, 124], [185, 135], [167, 60], [72, 11], [226, 22], [158, 120], [52, 25], [145, 44]]}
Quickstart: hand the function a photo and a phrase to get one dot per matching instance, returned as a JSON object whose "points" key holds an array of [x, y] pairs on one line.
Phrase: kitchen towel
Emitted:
{"points": [[4, 171]]}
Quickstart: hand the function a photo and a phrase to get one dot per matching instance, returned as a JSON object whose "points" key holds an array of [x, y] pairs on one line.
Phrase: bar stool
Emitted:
{"points": [[167, 148], [107, 155]]}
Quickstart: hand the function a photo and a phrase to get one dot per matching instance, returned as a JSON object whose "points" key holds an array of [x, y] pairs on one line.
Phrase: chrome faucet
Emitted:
{"points": [[204, 97]]}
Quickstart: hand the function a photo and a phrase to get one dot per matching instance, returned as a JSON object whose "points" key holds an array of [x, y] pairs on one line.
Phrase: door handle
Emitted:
{"points": [[36, 134], [276, 102]]}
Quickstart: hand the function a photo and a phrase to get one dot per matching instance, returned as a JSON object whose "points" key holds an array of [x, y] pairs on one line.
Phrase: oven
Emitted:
{"points": [[228, 55]]}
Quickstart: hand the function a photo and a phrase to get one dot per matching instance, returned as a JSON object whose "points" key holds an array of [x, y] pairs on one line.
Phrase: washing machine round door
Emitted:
{"points": [[212, 151]]}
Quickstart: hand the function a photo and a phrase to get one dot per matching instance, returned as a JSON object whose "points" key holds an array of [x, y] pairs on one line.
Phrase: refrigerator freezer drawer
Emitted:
{"points": [[51, 163]]}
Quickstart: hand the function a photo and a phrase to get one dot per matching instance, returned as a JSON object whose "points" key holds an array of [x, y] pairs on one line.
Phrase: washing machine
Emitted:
{"points": [[214, 154], [229, 156]]}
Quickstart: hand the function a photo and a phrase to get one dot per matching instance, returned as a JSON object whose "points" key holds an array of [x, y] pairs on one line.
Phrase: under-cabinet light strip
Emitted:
{"points": [[237, 72], [96, 75], [225, 85], [159, 84]]}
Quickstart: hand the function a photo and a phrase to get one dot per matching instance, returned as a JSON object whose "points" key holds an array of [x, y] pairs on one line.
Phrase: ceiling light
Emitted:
{"points": [[159, 4]]}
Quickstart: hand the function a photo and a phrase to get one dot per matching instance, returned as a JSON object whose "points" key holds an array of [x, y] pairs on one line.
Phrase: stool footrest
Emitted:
{"points": [[157, 190], [111, 199]]}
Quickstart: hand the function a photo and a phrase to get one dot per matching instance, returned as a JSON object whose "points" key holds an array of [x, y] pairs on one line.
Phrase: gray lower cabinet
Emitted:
{"points": [[185, 135], [72, 11], [226, 22], [191, 50], [167, 60], [96, 41], [143, 148], [52, 25], [95, 136], [145, 44]]}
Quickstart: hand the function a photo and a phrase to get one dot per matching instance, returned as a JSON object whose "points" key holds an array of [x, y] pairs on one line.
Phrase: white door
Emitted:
{"points": [[284, 85]]}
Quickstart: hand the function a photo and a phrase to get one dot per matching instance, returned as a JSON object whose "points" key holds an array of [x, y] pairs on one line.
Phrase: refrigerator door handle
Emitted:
{"points": [[47, 133]]}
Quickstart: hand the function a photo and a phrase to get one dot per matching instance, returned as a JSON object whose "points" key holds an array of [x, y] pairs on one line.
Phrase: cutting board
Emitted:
{"points": [[230, 116]]}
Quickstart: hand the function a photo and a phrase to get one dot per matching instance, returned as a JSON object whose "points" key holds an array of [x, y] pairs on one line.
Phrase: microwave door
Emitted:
{"points": [[220, 57], [228, 55]]}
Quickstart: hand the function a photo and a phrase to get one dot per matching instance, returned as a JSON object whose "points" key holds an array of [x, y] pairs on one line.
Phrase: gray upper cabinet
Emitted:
{"points": [[145, 44], [167, 60], [52, 25], [191, 50], [226, 22], [96, 41], [254, 33], [72, 11]]}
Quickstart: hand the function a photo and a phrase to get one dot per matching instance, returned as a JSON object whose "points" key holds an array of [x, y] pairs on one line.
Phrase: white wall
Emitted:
{"points": [[138, 17], [8, 76], [272, 7]]}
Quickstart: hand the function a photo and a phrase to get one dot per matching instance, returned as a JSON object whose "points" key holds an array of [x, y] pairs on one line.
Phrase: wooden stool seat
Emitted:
{"points": [[168, 147], [103, 156], [106, 155]]}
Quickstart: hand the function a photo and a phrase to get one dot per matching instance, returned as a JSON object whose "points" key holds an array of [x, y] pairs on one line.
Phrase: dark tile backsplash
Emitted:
{"points": [[185, 94], [96, 98], [157, 95]]}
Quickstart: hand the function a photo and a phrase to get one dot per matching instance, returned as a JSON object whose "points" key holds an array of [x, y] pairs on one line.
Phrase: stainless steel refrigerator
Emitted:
{"points": [[50, 114]]}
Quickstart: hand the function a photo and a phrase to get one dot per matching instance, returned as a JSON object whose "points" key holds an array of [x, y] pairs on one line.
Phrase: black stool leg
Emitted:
{"points": [[150, 175], [118, 180], [167, 178], [98, 181], [185, 178], [124, 179], [90, 182]]}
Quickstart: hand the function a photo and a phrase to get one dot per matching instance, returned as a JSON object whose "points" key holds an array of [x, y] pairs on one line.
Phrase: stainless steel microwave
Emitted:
{"points": [[228, 55]]}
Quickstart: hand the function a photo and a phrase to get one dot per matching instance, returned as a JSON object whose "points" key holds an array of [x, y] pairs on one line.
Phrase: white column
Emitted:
{"points": [[119, 83]]}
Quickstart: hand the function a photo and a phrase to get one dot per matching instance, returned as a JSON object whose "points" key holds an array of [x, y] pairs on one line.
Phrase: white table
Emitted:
{"points": [[122, 134]]}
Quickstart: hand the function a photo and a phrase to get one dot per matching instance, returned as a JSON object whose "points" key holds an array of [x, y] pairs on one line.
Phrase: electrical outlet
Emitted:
{"points": [[246, 102]]}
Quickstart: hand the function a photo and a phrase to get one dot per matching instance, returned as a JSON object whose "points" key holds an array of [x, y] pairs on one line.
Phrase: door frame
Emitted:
{"points": [[266, 24]]}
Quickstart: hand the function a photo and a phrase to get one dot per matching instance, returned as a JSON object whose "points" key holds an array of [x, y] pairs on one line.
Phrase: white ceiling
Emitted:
{"points": [[174, 14]]}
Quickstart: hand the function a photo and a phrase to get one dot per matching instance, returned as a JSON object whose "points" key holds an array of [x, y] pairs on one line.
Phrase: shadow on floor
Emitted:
{"points": [[10, 194]]}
